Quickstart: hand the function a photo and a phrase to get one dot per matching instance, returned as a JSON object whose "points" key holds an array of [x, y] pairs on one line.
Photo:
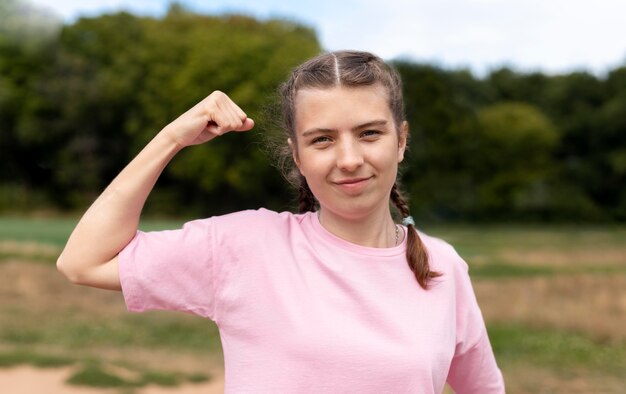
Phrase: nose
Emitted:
{"points": [[349, 156]]}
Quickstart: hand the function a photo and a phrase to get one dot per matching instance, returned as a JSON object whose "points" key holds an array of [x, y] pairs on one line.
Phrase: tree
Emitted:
{"points": [[513, 163], [117, 79], [441, 114], [27, 39]]}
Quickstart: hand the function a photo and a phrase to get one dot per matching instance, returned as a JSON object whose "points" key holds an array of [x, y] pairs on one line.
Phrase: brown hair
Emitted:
{"points": [[350, 69]]}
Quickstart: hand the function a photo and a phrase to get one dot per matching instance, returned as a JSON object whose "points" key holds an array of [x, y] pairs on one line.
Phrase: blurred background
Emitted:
{"points": [[517, 157]]}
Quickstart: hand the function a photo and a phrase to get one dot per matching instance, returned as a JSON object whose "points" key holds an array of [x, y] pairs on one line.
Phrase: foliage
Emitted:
{"points": [[513, 162], [110, 83], [78, 101]]}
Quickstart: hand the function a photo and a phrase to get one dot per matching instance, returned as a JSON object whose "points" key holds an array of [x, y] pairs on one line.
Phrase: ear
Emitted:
{"points": [[402, 139], [294, 154]]}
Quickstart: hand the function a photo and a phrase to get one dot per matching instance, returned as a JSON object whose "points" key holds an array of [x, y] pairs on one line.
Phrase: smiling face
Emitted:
{"points": [[348, 148]]}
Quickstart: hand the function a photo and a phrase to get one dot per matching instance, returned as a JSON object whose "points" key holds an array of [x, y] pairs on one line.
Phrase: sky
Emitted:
{"points": [[551, 36]]}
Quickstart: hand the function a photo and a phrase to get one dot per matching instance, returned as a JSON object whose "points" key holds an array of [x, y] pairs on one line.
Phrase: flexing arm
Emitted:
{"points": [[90, 255]]}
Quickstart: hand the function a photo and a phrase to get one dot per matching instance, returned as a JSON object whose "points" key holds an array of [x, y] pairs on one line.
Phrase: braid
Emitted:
{"points": [[306, 200], [416, 253], [398, 201]]}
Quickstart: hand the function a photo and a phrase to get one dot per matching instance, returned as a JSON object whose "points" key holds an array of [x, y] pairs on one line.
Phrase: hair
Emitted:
{"points": [[349, 69]]}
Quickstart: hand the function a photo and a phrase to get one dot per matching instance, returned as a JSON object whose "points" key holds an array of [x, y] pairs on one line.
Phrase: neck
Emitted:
{"points": [[376, 230]]}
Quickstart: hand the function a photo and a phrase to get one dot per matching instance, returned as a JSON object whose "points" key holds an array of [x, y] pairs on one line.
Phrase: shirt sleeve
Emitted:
{"points": [[473, 369], [170, 270]]}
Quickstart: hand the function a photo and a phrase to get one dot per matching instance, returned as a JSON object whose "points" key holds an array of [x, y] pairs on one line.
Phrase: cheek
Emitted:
{"points": [[302, 163], [314, 165]]}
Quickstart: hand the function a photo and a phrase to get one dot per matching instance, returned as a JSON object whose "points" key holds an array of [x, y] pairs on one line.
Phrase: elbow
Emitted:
{"points": [[65, 268], [87, 273]]}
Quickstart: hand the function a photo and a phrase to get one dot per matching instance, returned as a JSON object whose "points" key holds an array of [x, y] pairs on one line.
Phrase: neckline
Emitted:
{"points": [[336, 241]]}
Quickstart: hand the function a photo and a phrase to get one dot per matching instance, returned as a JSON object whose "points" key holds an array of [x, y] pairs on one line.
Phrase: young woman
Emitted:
{"points": [[338, 298]]}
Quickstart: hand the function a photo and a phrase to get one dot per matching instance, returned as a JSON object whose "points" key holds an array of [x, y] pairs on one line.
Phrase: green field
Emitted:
{"points": [[553, 297]]}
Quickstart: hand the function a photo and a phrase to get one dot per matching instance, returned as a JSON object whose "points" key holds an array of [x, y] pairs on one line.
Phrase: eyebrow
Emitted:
{"points": [[373, 123]]}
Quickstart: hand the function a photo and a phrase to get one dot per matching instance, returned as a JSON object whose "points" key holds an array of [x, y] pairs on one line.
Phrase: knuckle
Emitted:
{"points": [[221, 96]]}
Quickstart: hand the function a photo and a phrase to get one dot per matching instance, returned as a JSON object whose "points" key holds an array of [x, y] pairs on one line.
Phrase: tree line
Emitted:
{"points": [[76, 106]]}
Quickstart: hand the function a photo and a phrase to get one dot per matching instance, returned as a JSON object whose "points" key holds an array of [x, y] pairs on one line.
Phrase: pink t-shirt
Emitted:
{"points": [[300, 310]]}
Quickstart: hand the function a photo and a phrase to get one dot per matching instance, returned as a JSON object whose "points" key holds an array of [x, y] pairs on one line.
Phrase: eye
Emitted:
{"points": [[370, 134], [322, 140]]}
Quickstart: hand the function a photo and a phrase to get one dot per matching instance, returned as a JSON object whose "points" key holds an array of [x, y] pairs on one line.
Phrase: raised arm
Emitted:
{"points": [[90, 255]]}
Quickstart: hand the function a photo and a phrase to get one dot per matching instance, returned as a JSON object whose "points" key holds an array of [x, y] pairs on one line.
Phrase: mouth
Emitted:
{"points": [[351, 181], [353, 186]]}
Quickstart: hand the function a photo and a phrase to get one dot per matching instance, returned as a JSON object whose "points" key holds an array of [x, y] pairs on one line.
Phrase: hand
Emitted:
{"points": [[217, 114]]}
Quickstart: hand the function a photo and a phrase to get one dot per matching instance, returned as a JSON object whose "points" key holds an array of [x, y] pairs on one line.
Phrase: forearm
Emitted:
{"points": [[90, 256], [112, 220]]}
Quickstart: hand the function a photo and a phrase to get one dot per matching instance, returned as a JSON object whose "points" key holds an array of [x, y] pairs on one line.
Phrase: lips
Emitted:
{"points": [[351, 181], [352, 185]]}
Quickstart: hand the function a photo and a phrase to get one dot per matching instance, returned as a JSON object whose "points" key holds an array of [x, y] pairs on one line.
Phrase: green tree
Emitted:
{"points": [[575, 101], [513, 163], [441, 114], [27, 40], [78, 101], [117, 79], [612, 151]]}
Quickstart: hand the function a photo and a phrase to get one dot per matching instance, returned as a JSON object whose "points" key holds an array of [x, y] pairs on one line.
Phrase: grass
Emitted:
{"points": [[10, 359], [484, 239], [52, 233], [484, 247], [96, 376], [499, 270], [96, 373], [507, 270], [73, 336], [55, 231], [46, 258], [46, 231], [522, 251], [154, 330], [556, 349], [537, 344]]}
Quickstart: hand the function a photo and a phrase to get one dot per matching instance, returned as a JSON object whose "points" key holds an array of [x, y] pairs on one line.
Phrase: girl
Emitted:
{"points": [[337, 298]]}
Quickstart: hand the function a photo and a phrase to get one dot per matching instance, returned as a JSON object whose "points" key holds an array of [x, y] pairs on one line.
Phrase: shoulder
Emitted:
{"points": [[455, 275], [443, 256], [255, 218], [240, 222], [260, 223]]}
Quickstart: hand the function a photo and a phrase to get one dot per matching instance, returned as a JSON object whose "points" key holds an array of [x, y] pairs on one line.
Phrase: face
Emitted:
{"points": [[348, 148]]}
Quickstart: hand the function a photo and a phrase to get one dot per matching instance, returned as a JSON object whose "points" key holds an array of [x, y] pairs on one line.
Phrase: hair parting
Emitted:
{"points": [[337, 73]]}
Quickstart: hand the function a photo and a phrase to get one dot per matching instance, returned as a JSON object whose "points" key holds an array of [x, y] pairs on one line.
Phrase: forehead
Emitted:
{"points": [[340, 107]]}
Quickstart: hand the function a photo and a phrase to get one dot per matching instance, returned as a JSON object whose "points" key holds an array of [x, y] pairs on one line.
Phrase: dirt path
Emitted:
{"points": [[33, 289], [30, 380]]}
